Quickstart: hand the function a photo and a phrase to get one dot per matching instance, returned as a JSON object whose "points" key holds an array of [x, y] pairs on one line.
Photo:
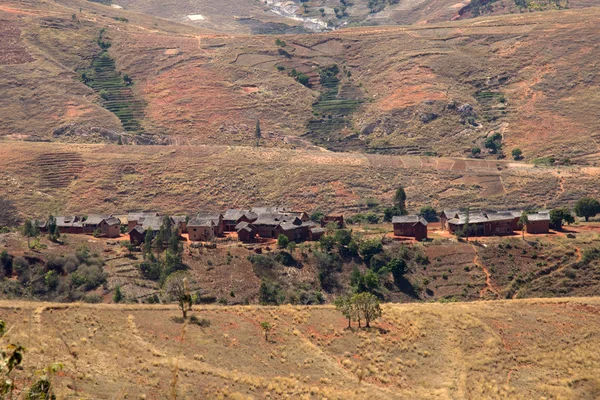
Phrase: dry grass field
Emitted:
{"points": [[521, 349]]}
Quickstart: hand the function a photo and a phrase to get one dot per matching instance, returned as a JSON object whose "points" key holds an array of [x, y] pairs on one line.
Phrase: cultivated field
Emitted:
{"points": [[519, 349]]}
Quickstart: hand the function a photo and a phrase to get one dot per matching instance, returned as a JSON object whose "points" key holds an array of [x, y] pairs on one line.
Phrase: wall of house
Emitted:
{"points": [[538, 227], [200, 234], [404, 229], [420, 232]]}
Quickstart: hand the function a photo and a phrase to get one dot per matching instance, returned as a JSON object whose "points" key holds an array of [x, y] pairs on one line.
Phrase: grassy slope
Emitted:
{"points": [[517, 349], [99, 178], [210, 89]]}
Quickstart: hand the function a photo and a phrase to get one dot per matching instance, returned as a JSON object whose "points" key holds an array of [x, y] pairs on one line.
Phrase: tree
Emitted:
{"points": [[344, 305], [6, 262], [494, 143], [147, 249], [282, 241], [118, 295], [400, 200], [558, 215], [475, 151], [517, 154], [368, 248], [28, 231], [317, 216], [587, 207], [267, 328], [398, 268], [177, 289], [53, 230], [257, 133], [523, 221], [429, 213], [367, 306], [175, 246]]}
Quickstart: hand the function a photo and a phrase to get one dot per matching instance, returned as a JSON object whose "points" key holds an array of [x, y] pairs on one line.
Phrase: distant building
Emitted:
{"points": [[246, 232], [111, 227], [137, 235], [180, 221], [481, 223], [201, 230], [215, 218], [411, 226], [134, 219], [233, 217], [92, 223], [315, 233], [69, 224], [538, 223]]}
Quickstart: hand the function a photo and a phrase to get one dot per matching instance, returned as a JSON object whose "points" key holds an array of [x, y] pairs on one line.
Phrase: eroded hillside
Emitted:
{"points": [[435, 89]]}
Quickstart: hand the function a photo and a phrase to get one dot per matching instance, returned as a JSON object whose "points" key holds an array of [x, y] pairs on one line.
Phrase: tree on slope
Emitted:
{"points": [[177, 289], [523, 221], [587, 207]]}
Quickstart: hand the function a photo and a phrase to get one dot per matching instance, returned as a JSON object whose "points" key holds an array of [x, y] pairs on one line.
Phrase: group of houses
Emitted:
{"points": [[474, 223], [249, 224]]}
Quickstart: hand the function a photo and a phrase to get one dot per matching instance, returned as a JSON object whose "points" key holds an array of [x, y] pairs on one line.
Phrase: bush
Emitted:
{"points": [[517, 154], [429, 213], [262, 261], [6, 264], [285, 258], [92, 298], [88, 276], [55, 264], [327, 265], [269, 293], [282, 241], [368, 248], [151, 270], [20, 266], [202, 322]]}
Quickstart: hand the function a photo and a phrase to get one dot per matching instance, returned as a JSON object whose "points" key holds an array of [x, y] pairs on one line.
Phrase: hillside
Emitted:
{"points": [[517, 349], [434, 89], [43, 178]]}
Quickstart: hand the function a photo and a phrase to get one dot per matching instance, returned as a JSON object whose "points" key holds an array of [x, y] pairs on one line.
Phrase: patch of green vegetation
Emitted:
{"points": [[113, 87], [333, 109], [547, 160]]}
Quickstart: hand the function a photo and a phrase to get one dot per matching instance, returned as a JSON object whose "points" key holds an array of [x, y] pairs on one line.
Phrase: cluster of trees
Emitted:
{"points": [[376, 6], [359, 307], [300, 77], [157, 267]]}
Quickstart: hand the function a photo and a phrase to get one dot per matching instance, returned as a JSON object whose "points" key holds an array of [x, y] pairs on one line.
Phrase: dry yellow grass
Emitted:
{"points": [[521, 349]]}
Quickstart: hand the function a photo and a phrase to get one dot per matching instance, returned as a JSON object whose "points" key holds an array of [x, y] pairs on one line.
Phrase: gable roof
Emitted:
{"points": [[112, 221], [207, 216], [95, 219], [234, 214], [538, 217], [139, 229], [409, 219], [152, 223], [177, 219], [200, 222], [136, 216], [67, 221]]}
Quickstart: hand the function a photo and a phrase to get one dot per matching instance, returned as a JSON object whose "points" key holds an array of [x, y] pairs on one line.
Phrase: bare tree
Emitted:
{"points": [[177, 289]]}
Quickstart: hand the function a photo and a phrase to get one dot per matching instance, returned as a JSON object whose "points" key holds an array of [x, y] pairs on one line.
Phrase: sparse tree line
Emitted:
{"points": [[359, 307]]}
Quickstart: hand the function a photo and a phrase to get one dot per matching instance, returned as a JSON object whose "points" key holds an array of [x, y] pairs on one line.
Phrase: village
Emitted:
{"points": [[264, 224]]}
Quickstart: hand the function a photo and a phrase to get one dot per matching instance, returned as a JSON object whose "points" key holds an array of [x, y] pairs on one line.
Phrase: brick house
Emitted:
{"points": [[410, 225], [111, 227], [69, 224], [134, 219], [538, 223], [216, 219], [180, 221], [246, 232], [233, 217], [201, 230], [315, 233], [137, 235], [92, 223], [448, 215]]}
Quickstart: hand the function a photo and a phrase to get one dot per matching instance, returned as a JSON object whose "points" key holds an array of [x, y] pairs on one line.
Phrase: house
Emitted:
{"points": [[69, 224], [233, 217], [447, 215], [315, 233], [134, 219], [180, 221], [201, 230], [304, 217], [538, 223], [268, 224], [92, 223], [246, 232], [482, 223], [137, 235], [293, 231], [111, 227], [339, 219], [215, 218], [410, 225]]}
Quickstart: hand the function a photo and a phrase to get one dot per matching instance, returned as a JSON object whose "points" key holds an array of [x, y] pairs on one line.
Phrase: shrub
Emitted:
{"points": [[262, 261], [151, 270], [517, 154], [429, 213], [368, 248], [282, 241], [269, 293], [92, 298], [88, 276], [202, 322], [285, 258], [327, 265]]}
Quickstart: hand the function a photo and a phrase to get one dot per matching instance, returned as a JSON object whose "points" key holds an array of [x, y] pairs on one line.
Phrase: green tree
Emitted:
{"points": [[587, 207], [517, 154], [429, 213], [28, 231], [494, 143], [317, 216], [368, 248], [367, 306], [53, 230], [282, 241], [257, 133], [118, 294], [344, 305], [475, 151], [6, 262], [148, 237], [266, 328], [523, 221], [176, 287], [400, 200], [560, 215], [398, 268]]}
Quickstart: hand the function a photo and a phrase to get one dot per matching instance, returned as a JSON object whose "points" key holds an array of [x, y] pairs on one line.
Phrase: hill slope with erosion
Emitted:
{"points": [[435, 89], [516, 349]]}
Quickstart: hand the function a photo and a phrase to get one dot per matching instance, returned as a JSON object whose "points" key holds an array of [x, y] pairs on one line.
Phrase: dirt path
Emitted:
{"points": [[488, 277]]}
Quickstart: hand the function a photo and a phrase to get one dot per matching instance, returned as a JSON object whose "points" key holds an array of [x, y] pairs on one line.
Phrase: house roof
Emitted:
{"points": [[65, 221], [451, 213], [243, 225], [139, 229], [317, 229], [234, 214], [207, 216], [112, 221], [289, 226], [137, 215], [177, 219], [538, 217], [409, 219], [152, 223], [500, 216], [96, 219], [201, 222]]}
